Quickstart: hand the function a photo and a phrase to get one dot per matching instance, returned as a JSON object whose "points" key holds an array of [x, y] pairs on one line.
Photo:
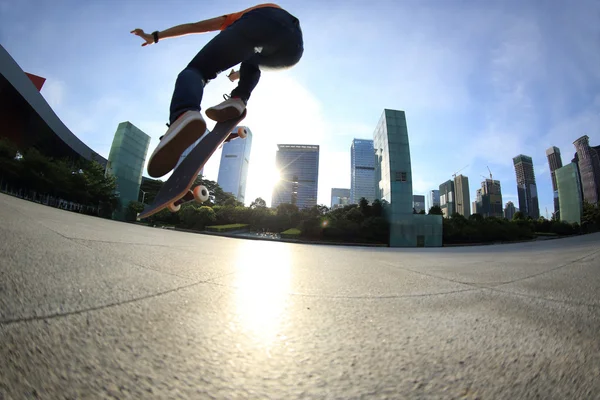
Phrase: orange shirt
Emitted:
{"points": [[231, 18]]}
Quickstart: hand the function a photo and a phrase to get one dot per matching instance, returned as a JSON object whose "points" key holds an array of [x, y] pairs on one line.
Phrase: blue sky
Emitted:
{"points": [[480, 81]]}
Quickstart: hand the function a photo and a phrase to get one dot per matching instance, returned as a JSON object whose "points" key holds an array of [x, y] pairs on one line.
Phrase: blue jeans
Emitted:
{"points": [[268, 37]]}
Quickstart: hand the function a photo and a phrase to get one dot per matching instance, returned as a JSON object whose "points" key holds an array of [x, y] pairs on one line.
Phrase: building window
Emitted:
{"points": [[400, 176]]}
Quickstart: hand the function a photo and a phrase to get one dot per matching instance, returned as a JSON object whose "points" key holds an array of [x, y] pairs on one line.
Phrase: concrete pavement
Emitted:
{"points": [[91, 308]]}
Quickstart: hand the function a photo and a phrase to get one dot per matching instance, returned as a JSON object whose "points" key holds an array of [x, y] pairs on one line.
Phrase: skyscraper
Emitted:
{"points": [[393, 177], [489, 199], [447, 203], [339, 197], [126, 162], [555, 162], [233, 169], [362, 171], [298, 166], [418, 203], [509, 210], [569, 192], [433, 199], [189, 150], [588, 161], [526, 187], [463, 198]]}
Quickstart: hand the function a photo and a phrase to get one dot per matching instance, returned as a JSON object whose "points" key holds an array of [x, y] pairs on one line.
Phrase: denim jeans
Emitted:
{"points": [[263, 37]]}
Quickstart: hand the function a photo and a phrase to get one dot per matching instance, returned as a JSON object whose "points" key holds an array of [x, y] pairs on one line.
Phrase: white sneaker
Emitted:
{"points": [[182, 133], [231, 108]]}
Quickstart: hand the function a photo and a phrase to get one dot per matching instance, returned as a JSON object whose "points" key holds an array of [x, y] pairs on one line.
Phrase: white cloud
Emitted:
{"points": [[54, 92]]}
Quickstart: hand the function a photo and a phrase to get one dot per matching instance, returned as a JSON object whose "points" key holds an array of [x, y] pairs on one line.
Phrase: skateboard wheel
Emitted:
{"points": [[200, 194], [242, 132], [174, 208]]}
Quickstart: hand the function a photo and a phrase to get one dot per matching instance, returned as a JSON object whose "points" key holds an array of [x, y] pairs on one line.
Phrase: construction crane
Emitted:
{"points": [[491, 179], [456, 173]]}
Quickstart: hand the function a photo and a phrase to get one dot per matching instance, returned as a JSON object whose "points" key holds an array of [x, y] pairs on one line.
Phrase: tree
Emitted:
{"points": [[363, 205], [258, 203], [215, 192], [133, 209], [518, 216], [377, 208], [436, 210]]}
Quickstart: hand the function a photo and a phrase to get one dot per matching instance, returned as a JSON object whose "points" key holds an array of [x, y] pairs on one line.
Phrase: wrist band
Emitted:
{"points": [[155, 35]]}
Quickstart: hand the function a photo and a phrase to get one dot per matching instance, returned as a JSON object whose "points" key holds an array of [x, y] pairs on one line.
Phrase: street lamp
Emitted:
{"points": [[143, 195]]}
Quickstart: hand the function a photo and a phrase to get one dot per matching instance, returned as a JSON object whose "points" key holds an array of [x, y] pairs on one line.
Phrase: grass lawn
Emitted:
{"points": [[226, 228]]}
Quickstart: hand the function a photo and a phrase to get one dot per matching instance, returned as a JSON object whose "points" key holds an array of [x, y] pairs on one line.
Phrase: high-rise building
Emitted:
{"points": [[555, 162], [298, 166], [526, 187], [362, 171], [126, 162], [569, 193], [418, 203], [447, 203], [189, 150], [489, 199], [393, 177], [463, 198], [339, 198], [588, 161], [433, 199], [233, 169], [509, 210]]}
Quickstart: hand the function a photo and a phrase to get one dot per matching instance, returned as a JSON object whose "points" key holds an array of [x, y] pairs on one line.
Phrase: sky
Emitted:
{"points": [[480, 81]]}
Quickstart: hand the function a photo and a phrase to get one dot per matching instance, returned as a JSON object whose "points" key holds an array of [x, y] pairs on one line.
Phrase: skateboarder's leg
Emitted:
{"points": [[237, 43]]}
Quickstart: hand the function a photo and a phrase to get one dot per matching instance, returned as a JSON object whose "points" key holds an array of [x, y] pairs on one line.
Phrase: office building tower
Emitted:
{"points": [[509, 210], [432, 199], [126, 162], [489, 199], [339, 198], [569, 193], [463, 198], [298, 166], [447, 202], [526, 187], [588, 161], [362, 171], [233, 169], [555, 162], [418, 203], [393, 177]]}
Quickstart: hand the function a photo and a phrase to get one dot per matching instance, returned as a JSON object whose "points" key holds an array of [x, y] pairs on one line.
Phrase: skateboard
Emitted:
{"points": [[177, 189]]}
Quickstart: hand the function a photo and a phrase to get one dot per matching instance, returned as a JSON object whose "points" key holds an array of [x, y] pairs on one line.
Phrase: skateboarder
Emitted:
{"points": [[261, 36]]}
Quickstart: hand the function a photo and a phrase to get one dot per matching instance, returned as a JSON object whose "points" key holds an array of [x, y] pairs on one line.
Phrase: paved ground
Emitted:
{"points": [[91, 308]]}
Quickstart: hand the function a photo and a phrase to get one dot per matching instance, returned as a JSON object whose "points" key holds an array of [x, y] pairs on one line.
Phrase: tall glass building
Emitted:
{"points": [[339, 197], [393, 177], [569, 193], [298, 166], [189, 150], [588, 161], [463, 197], [447, 201], [526, 187], [489, 199], [233, 169], [419, 203], [126, 162], [362, 171], [555, 162], [433, 199]]}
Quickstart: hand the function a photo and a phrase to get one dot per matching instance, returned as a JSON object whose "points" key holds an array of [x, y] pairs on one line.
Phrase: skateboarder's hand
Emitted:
{"points": [[233, 75], [146, 36]]}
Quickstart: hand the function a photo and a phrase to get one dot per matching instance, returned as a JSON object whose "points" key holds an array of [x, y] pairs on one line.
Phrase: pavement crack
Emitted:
{"points": [[98, 308]]}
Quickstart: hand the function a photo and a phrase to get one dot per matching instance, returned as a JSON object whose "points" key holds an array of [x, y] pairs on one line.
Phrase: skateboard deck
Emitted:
{"points": [[176, 189]]}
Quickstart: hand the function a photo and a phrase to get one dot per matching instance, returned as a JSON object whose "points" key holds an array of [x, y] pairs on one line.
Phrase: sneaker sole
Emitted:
{"points": [[225, 114], [167, 156]]}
